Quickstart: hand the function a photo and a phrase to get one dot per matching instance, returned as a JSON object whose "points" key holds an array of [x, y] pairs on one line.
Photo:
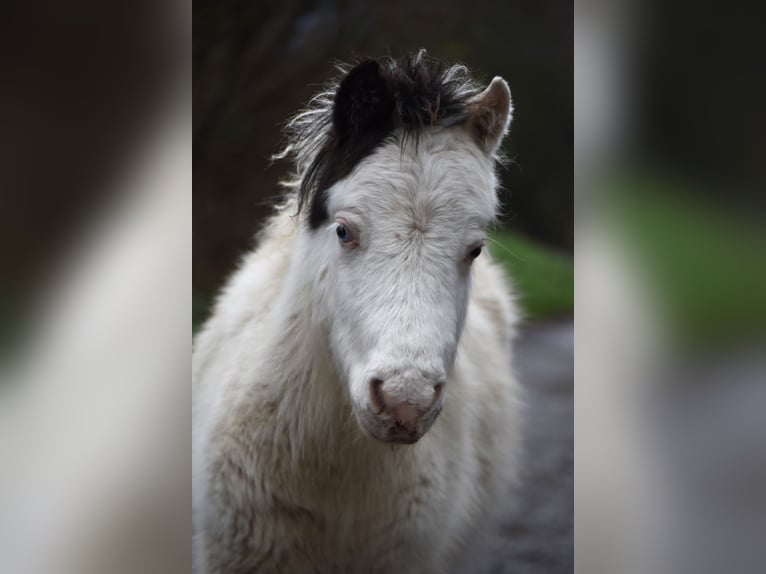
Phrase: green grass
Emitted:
{"points": [[542, 279]]}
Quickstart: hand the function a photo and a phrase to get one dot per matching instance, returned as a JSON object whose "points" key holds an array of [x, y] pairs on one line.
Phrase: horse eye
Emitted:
{"points": [[474, 253], [343, 233]]}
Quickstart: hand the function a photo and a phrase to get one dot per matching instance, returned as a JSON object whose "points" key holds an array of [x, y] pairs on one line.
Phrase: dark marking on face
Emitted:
{"points": [[375, 98], [362, 117]]}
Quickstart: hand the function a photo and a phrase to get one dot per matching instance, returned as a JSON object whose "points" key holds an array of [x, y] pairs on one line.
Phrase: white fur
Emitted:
{"points": [[286, 477]]}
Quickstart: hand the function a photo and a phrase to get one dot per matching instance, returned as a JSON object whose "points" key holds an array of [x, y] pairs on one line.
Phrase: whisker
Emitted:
{"points": [[504, 248]]}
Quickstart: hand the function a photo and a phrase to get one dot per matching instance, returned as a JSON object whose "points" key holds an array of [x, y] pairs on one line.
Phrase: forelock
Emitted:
{"points": [[423, 93]]}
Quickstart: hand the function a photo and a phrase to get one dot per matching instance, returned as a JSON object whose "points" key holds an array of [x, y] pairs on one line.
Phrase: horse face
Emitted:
{"points": [[405, 227]]}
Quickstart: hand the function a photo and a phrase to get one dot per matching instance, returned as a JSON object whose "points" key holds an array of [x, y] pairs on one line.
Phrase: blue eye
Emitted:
{"points": [[348, 235], [343, 233]]}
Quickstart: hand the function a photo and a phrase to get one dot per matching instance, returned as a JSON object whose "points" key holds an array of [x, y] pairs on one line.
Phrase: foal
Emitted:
{"points": [[354, 403]]}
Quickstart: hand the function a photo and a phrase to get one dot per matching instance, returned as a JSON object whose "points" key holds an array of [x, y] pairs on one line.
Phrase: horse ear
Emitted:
{"points": [[363, 102], [490, 115]]}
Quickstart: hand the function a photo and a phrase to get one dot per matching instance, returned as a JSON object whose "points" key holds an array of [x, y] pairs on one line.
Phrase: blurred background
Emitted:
{"points": [[95, 261], [84, 87], [670, 400]]}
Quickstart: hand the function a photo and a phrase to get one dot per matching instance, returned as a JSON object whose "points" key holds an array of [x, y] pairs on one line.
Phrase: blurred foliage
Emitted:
{"points": [[257, 63], [705, 265], [543, 279]]}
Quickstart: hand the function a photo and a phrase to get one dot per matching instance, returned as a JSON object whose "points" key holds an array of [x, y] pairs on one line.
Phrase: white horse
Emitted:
{"points": [[354, 403]]}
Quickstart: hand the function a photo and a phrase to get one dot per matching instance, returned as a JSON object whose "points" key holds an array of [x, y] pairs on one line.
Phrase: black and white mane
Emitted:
{"points": [[365, 104]]}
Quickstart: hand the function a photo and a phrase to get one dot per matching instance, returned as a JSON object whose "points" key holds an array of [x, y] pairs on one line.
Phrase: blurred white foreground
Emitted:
{"points": [[94, 420]]}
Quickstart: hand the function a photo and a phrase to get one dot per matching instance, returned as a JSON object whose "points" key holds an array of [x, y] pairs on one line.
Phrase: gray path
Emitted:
{"points": [[533, 530]]}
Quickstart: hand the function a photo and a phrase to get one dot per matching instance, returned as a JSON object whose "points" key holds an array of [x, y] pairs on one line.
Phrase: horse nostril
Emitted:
{"points": [[406, 416], [376, 396], [404, 411]]}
